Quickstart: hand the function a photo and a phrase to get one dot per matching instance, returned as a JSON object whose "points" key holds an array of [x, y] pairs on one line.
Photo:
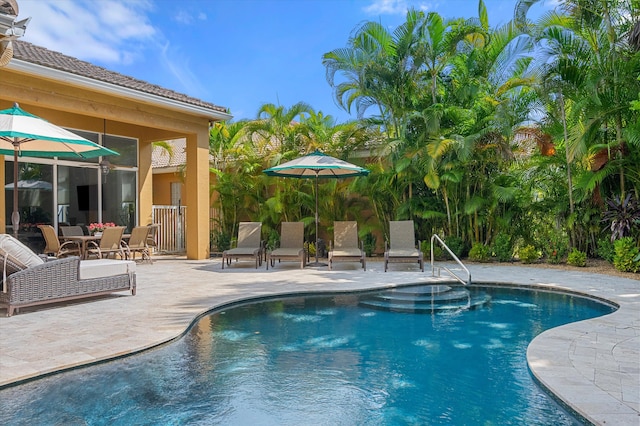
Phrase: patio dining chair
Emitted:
{"points": [[71, 231], [249, 245], [401, 246], [138, 244], [291, 245], [109, 245], [345, 247], [53, 245]]}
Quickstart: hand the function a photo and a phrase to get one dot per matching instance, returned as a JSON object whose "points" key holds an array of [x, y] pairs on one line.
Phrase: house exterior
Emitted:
{"points": [[122, 113]]}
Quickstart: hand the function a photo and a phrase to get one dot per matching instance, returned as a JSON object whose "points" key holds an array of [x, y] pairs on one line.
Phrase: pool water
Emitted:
{"points": [[321, 361]]}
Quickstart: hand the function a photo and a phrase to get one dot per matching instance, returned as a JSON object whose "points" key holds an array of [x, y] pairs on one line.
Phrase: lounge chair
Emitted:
{"points": [[345, 246], [110, 244], [138, 244], [291, 245], [402, 244], [249, 244], [54, 247], [28, 280]]}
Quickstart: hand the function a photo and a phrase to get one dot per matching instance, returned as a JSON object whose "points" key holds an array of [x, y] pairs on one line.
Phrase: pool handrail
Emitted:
{"points": [[435, 237]]}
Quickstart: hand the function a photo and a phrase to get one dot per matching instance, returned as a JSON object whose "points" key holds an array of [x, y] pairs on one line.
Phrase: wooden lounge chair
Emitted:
{"points": [[345, 246], [402, 244], [249, 244], [110, 244], [138, 244], [54, 247], [291, 245]]}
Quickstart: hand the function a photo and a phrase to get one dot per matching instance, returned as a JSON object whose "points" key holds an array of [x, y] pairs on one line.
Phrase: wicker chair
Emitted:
{"points": [[110, 244], [54, 247], [402, 244], [345, 246], [291, 245], [28, 280], [138, 244], [249, 244]]}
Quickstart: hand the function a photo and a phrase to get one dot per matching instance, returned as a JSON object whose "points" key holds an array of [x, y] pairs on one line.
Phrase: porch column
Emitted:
{"points": [[197, 195], [3, 202], [145, 183]]}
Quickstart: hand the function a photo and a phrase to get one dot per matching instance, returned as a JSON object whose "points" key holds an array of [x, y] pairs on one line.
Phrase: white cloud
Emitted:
{"points": [[178, 66], [387, 7], [396, 7], [108, 32]]}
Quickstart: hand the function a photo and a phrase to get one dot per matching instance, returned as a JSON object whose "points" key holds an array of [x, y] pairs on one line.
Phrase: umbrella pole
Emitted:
{"points": [[316, 263], [316, 217], [15, 216]]}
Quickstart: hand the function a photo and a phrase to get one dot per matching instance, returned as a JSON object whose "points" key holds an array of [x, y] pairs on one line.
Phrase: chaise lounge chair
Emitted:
{"points": [[402, 244], [249, 244], [28, 280], [345, 246], [291, 245]]}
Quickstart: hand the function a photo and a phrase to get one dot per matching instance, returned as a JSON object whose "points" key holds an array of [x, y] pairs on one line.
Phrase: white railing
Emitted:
{"points": [[435, 238], [171, 234]]}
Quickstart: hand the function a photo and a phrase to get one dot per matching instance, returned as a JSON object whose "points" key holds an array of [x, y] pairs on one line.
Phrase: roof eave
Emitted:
{"points": [[89, 83]]}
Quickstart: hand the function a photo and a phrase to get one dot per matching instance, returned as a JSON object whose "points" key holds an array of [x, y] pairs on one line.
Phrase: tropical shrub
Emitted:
{"points": [[369, 243], [480, 253], [577, 258], [438, 251], [605, 249], [273, 240], [556, 248], [528, 254], [627, 255], [502, 247], [220, 240], [456, 245], [622, 216]]}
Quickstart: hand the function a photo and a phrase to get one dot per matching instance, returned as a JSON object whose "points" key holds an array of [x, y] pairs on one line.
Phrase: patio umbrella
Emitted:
{"points": [[24, 134], [317, 165]]}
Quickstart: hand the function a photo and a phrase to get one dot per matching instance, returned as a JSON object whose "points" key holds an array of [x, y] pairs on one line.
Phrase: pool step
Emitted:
{"points": [[425, 299]]}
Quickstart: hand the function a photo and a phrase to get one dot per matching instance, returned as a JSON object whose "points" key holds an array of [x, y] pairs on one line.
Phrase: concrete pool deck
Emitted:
{"points": [[593, 366]]}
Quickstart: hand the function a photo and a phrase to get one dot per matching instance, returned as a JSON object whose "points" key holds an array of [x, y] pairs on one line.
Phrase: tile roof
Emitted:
{"points": [[161, 158], [33, 54]]}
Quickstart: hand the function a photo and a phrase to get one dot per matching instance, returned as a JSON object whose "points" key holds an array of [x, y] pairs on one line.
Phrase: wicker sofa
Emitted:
{"points": [[29, 280]]}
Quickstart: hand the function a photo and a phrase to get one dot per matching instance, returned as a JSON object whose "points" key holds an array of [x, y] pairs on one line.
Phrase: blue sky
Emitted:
{"points": [[237, 54]]}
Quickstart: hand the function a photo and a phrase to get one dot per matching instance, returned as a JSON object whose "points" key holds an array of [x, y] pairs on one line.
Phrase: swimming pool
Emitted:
{"points": [[322, 360]]}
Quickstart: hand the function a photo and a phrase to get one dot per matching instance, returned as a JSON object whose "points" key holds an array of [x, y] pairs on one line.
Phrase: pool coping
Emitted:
{"points": [[591, 366]]}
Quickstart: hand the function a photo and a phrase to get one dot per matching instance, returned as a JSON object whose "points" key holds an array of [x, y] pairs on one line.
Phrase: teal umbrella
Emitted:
{"points": [[24, 134], [317, 165]]}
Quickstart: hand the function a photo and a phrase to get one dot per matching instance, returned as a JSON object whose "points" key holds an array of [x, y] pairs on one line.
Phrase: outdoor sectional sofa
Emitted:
{"points": [[30, 280]]}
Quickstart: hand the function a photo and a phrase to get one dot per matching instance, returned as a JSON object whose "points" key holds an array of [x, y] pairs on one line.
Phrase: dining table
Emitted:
{"points": [[84, 241]]}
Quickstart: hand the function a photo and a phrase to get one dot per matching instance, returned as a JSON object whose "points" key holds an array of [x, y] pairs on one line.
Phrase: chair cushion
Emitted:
{"points": [[100, 268], [15, 256]]}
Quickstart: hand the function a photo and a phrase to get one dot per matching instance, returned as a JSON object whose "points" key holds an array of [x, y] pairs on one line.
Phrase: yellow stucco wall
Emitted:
{"points": [[77, 107]]}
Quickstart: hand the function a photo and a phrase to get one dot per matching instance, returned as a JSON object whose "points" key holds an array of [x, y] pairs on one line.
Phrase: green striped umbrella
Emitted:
{"points": [[24, 134], [317, 165]]}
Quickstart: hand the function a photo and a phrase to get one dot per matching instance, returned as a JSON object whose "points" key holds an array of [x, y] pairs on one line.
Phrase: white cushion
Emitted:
{"points": [[13, 252], [100, 268]]}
